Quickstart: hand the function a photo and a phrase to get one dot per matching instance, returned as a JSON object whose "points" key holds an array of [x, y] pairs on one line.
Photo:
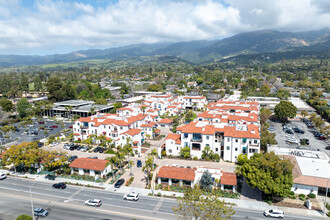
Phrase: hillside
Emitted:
{"points": [[196, 52]]}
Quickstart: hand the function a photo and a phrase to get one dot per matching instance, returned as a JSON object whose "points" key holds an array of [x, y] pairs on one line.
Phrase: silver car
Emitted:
{"points": [[132, 196]]}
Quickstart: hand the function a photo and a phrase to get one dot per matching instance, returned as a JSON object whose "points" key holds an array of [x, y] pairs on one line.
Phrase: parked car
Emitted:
{"points": [[2, 176], [274, 213], [139, 163], [40, 212], [59, 186], [96, 150], [119, 183], [41, 122], [327, 147], [83, 149], [54, 126], [71, 126], [132, 196], [322, 137], [72, 158], [93, 202], [310, 125], [298, 130], [16, 128]]}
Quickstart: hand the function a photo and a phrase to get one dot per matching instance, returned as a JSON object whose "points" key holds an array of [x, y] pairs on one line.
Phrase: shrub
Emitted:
{"points": [[292, 197], [327, 206], [24, 217], [328, 214], [301, 195], [311, 195], [159, 194], [291, 193], [195, 158]]}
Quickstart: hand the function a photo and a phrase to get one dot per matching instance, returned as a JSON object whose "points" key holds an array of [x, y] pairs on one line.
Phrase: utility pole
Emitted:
{"points": [[32, 209]]}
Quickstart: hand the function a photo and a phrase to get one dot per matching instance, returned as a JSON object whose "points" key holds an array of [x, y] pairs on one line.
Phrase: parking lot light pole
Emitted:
{"points": [[325, 199]]}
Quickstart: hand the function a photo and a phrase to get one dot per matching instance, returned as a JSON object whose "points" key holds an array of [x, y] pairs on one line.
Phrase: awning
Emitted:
{"points": [[48, 173], [244, 148]]}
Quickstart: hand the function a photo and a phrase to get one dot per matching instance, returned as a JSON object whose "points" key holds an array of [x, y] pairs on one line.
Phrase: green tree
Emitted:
{"points": [[195, 205], [54, 87], [37, 83], [206, 181], [23, 108], [185, 152], [199, 80], [284, 110], [24, 83], [6, 104], [264, 90], [268, 172], [304, 113], [264, 115], [283, 93]]}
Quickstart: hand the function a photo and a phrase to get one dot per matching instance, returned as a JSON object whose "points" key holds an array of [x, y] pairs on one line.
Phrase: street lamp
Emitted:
{"points": [[31, 201], [325, 199]]}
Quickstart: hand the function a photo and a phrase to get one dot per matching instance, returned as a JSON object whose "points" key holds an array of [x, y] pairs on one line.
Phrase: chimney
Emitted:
{"points": [[253, 131]]}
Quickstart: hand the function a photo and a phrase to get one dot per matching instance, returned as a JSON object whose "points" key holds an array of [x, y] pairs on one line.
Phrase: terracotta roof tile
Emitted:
{"points": [[133, 131], [228, 179], [166, 121], [89, 163], [175, 137], [149, 125], [177, 173]]}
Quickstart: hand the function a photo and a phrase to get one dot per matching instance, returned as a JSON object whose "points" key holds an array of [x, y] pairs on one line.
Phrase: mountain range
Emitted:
{"points": [[195, 52]]}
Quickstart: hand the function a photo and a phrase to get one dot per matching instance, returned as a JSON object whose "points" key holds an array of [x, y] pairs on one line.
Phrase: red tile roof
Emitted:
{"points": [[175, 137], [76, 134], [161, 96], [228, 179], [195, 97], [149, 125], [176, 173], [123, 109], [133, 131], [89, 163], [166, 121]]}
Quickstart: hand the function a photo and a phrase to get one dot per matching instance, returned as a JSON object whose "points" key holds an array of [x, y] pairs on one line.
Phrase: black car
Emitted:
{"points": [[101, 150], [327, 147], [139, 163], [72, 158], [59, 185], [96, 150], [298, 130], [119, 183]]}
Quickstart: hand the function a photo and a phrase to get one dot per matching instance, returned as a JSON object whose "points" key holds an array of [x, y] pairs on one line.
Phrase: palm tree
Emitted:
{"points": [[92, 110], [148, 167], [120, 156], [143, 109], [113, 161], [131, 164]]}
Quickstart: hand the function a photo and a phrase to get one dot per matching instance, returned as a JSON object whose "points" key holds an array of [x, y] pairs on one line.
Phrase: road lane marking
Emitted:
{"points": [[158, 205], [70, 198], [79, 207]]}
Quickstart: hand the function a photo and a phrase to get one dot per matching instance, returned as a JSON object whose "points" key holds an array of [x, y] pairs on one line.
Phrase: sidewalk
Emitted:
{"points": [[244, 204]]}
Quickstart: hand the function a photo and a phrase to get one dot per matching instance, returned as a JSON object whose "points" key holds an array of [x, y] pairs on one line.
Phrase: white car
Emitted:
{"points": [[132, 196], [2, 176], [274, 213], [93, 202]]}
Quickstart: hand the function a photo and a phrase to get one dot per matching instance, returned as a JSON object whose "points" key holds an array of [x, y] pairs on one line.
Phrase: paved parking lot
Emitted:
{"points": [[315, 144], [20, 137]]}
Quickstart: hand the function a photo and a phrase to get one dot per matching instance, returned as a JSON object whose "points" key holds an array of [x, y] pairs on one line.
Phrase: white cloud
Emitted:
{"points": [[52, 23]]}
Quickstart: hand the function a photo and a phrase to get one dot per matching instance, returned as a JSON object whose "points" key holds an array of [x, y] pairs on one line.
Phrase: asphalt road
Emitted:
{"points": [[69, 203]]}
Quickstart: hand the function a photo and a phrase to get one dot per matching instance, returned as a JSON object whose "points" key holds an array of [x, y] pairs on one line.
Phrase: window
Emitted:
{"points": [[228, 139], [195, 146], [255, 141], [197, 136], [216, 149], [207, 145], [121, 128], [170, 151], [186, 144], [236, 140], [236, 149], [250, 142], [228, 148], [74, 129], [123, 137], [177, 148], [185, 135], [207, 137]]}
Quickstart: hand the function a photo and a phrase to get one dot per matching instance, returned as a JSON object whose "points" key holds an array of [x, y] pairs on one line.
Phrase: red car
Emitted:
{"points": [[71, 126], [54, 126], [322, 137], [41, 122]]}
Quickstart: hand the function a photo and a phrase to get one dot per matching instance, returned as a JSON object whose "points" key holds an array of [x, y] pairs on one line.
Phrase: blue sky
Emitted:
{"points": [[57, 26]]}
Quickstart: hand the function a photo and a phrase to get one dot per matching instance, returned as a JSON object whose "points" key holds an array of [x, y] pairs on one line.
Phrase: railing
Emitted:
{"points": [[196, 140]]}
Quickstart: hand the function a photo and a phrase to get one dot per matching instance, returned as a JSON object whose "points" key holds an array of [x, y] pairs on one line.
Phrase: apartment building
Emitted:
{"points": [[228, 130]]}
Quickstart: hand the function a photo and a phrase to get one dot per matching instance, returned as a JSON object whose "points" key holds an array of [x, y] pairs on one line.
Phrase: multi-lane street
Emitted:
{"points": [[69, 203]]}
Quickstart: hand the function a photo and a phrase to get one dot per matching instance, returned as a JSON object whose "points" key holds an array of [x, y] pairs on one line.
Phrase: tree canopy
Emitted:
{"points": [[268, 172], [23, 108], [206, 181], [6, 104], [285, 109], [195, 205]]}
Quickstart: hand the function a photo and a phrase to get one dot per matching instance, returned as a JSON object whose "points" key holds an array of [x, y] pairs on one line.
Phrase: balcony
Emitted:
{"points": [[196, 140]]}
